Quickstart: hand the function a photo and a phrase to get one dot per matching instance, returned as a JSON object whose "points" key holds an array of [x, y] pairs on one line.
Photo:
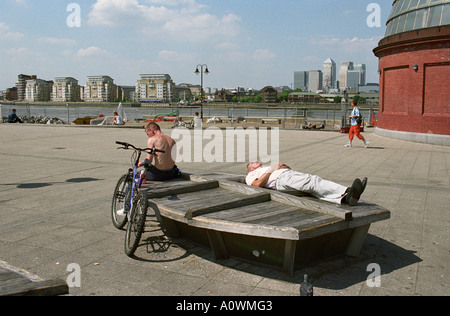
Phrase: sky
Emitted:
{"points": [[246, 43]]}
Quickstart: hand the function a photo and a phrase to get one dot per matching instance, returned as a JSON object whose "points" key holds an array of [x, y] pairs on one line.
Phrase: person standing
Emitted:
{"points": [[355, 129]]}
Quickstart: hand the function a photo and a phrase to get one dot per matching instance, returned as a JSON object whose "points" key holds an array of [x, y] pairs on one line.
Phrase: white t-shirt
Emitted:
{"points": [[258, 173], [119, 120], [197, 122]]}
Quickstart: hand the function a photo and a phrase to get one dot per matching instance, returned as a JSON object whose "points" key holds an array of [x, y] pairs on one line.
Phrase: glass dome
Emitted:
{"points": [[410, 15]]}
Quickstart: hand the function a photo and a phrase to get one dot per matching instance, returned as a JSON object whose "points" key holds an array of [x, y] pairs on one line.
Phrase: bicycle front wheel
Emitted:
{"points": [[137, 223], [121, 201]]}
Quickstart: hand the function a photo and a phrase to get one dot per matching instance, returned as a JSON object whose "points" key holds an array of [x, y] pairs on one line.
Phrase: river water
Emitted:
{"points": [[71, 113]]}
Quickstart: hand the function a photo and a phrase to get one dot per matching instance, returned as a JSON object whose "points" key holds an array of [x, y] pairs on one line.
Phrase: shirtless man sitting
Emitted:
{"points": [[163, 166]]}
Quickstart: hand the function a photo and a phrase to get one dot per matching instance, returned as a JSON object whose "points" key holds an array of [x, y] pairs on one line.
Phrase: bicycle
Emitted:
{"points": [[129, 204]]}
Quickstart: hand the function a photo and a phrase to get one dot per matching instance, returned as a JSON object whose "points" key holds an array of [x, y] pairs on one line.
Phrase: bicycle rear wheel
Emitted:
{"points": [[121, 201], [137, 223]]}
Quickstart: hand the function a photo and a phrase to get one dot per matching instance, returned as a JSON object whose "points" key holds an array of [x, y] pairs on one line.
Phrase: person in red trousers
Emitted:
{"points": [[355, 129]]}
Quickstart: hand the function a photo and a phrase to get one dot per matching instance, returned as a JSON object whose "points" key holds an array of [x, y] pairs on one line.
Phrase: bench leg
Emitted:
{"points": [[289, 256], [217, 245], [357, 241], [168, 226]]}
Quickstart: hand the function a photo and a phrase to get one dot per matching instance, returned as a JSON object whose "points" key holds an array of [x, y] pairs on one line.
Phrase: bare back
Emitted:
{"points": [[163, 161]]}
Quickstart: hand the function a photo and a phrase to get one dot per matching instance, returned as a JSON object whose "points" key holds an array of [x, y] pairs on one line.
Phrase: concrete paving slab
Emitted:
{"points": [[55, 196]]}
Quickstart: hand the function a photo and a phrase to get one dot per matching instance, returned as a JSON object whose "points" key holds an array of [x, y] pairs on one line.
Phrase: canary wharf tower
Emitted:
{"points": [[414, 68]]}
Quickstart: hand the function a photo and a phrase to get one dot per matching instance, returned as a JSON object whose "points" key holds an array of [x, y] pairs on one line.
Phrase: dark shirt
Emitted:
{"points": [[13, 118]]}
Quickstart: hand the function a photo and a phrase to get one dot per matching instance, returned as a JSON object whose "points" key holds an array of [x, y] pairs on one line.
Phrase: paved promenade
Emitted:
{"points": [[56, 186]]}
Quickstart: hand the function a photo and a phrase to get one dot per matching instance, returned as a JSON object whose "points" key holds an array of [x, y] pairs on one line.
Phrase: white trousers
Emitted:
{"points": [[322, 189]]}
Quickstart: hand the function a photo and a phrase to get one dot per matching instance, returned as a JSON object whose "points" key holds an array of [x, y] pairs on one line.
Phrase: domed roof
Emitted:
{"points": [[410, 15]]}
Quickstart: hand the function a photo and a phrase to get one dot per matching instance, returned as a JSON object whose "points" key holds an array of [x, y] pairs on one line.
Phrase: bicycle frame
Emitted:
{"points": [[136, 184], [133, 186], [136, 211]]}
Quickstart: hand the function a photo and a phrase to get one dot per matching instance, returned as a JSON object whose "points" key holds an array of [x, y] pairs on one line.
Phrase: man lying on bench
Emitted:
{"points": [[281, 177]]}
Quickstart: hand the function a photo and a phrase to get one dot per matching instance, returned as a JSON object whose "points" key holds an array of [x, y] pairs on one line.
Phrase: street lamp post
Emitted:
{"points": [[203, 70]]}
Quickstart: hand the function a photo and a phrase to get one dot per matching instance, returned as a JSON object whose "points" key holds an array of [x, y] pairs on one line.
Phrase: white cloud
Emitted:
{"points": [[202, 27], [17, 51], [56, 41], [348, 44], [177, 19], [124, 12], [6, 34], [90, 51], [18, 55]]}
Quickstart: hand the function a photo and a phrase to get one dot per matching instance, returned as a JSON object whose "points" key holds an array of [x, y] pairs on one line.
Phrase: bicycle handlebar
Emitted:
{"points": [[151, 151]]}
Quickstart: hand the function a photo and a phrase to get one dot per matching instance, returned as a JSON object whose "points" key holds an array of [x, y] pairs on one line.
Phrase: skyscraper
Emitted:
{"points": [[345, 67], [329, 74], [315, 80], [301, 80], [362, 70], [354, 79]]}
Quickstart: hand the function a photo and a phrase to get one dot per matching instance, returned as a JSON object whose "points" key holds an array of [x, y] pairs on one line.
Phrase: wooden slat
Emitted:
{"points": [[366, 213], [293, 199], [182, 189], [198, 200], [286, 218], [322, 227], [251, 212], [44, 288], [317, 206], [234, 203], [19, 283], [195, 198], [205, 222]]}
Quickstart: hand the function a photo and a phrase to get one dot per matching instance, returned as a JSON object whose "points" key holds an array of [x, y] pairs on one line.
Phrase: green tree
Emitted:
{"points": [[359, 99], [337, 99]]}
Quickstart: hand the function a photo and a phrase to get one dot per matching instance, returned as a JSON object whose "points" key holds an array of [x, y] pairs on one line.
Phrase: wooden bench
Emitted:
{"points": [[276, 121], [13, 283], [260, 225]]}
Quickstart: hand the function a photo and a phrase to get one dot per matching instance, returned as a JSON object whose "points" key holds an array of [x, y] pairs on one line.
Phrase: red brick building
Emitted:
{"points": [[269, 95], [414, 68], [10, 94]]}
